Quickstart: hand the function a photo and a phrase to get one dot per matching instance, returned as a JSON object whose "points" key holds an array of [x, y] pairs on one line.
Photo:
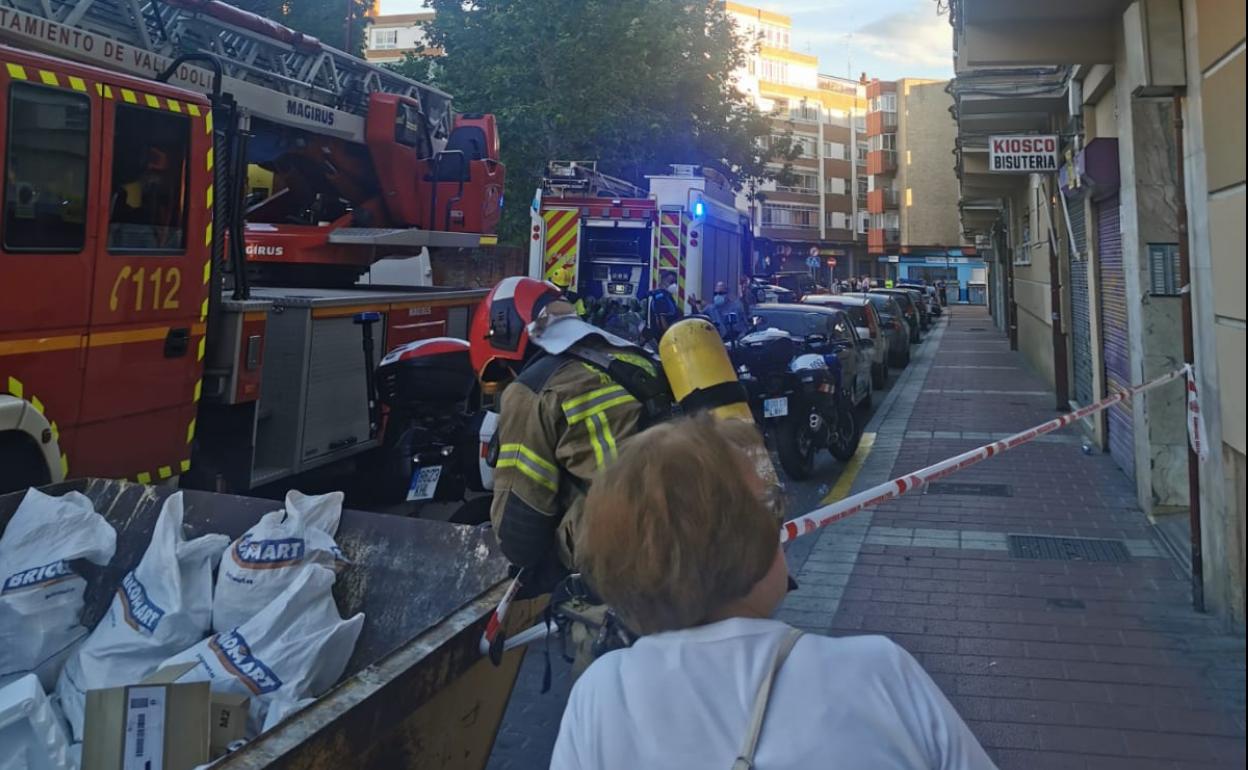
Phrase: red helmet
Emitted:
{"points": [[500, 326]]}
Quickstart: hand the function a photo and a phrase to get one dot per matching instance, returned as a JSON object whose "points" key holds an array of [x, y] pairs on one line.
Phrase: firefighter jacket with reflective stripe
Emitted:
{"points": [[559, 422]]}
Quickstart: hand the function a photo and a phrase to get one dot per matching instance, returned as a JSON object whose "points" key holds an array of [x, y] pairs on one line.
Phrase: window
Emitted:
{"points": [[837, 220], [805, 111], [385, 38], [862, 152], [798, 217], [834, 150], [1163, 270], [884, 103], [802, 183], [836, 185], [46, 165], [842, 330], [149, 183], [775, 71], [863, 181]]}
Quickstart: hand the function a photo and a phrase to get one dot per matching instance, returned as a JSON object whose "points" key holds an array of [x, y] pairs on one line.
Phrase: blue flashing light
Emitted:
{"points": [[699, 209]]}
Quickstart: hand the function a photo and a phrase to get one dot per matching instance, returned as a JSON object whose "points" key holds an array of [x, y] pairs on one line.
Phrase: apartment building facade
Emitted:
{"points": [[391, 37], [816, 220], [1147, 101], [912, 188]]}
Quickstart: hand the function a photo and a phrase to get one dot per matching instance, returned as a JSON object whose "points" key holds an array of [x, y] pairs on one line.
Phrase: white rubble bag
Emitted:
{"points": [[265, 560], [31, 734], [41, 596], [294, 648], [162, 606]]}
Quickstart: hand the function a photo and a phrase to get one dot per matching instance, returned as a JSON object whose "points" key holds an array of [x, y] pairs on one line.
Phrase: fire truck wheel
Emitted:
{"points": [[21, 463]]}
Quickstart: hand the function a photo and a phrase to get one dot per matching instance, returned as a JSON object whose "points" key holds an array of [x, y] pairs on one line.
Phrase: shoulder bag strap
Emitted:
{"points": [[745, 760]]}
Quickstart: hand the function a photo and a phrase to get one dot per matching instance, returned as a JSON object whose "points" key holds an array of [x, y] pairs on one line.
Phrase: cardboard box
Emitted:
{"points": [[153, 725], [229, 721]]}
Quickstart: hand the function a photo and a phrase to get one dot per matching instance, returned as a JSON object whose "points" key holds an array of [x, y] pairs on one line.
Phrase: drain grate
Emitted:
{"points": [[1067, 548], [975, 490]]}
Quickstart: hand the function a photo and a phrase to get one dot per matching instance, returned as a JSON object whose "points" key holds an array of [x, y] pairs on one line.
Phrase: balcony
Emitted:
{"points": [[879, 201], [881, 122], [1002, 33], [881, 161], [880, 238]]}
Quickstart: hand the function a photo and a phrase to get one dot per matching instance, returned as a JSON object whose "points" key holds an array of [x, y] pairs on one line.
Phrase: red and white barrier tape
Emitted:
{"points": [[889, 490], [830, 514], [494, 625]]}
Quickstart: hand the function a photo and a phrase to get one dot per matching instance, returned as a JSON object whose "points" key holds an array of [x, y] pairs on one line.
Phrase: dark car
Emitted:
{"points": [[799, 282], [909, 310], [824, 330], [893, 325], [919, 297], [867, 322]]}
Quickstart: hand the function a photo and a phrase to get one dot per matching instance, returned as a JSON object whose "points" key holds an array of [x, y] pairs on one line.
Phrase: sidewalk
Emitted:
{"points": [[1054, 663]]}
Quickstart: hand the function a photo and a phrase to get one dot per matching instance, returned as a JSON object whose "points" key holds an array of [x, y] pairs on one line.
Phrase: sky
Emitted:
{"points": [[887, 39]]}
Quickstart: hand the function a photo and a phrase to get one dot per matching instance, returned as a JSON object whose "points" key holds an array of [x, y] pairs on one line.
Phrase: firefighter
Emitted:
{"points": [[562, 278], [576, 393]]}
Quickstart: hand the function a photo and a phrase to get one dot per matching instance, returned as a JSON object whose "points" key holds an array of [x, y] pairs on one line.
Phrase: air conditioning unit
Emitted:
{"points": [[1153, 32]]}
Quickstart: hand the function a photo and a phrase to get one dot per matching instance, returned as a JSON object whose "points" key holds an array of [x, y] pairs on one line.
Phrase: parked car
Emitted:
{"points": [[920, 302], [893, 326], [867, 323], [800, 282], [909, 310], [762, 291], [826, 331]]}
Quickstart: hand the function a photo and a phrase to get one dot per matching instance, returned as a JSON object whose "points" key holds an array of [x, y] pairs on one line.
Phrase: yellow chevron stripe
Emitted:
{"points": [[164, 471], [129, 96], [16, 71], [143, 478], [152, 101], [49, 78], [78, 84], [185, 465]]}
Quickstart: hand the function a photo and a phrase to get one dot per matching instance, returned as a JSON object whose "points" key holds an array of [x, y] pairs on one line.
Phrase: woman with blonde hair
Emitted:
{"points": [[677, 539]]}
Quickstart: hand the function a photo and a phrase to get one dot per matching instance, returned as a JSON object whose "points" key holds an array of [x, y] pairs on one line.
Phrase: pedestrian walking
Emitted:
{"points": [[678, 540]]}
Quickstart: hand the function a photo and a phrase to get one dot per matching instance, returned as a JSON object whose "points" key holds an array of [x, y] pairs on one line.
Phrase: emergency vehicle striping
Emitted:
{"points": [[17, 389], [673, 229], [53, 78], [562, 229], [40, 344]]}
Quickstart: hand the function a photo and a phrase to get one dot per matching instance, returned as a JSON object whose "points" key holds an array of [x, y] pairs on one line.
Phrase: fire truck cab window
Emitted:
{"points": [[46, 169], [149, 181]]}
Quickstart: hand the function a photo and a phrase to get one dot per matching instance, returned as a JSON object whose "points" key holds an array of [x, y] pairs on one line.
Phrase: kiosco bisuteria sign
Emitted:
{"points": [[1029, 154]]}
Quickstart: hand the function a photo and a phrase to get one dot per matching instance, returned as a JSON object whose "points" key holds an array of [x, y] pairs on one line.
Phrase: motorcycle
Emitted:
{"points": [[797, 397], [433, 428]]}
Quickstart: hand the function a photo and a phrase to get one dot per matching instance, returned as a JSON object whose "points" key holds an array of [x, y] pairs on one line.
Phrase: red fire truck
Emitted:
{"points": [[158, 318], [617, 241]]}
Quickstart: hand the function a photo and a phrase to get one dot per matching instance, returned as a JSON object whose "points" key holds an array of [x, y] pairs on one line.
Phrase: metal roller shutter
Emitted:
{"points": [[1080, 304], [1121, 426]]}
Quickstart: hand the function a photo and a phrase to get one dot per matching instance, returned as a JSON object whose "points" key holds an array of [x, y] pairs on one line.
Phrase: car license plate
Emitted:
{"points": [[775, 407], [424, 482]]}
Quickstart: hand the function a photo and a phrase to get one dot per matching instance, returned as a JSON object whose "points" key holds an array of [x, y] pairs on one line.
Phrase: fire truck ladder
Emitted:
{"points": [[581, 177], [272, 71]]}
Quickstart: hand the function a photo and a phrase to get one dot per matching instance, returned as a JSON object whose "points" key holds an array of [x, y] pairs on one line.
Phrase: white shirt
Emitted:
{"points": [[682, 700]]}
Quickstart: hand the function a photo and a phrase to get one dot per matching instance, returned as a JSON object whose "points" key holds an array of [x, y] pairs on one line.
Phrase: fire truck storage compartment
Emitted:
{"points": [[235, 351], [615, 258], [313, 406]]}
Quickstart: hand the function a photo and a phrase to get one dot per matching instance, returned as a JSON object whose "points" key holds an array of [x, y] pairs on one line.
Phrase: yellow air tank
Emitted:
{"points": [[694, 359]]}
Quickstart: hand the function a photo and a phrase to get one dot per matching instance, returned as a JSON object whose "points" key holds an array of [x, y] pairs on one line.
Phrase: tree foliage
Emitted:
{"points": [[633, 84], [325, 20]]}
